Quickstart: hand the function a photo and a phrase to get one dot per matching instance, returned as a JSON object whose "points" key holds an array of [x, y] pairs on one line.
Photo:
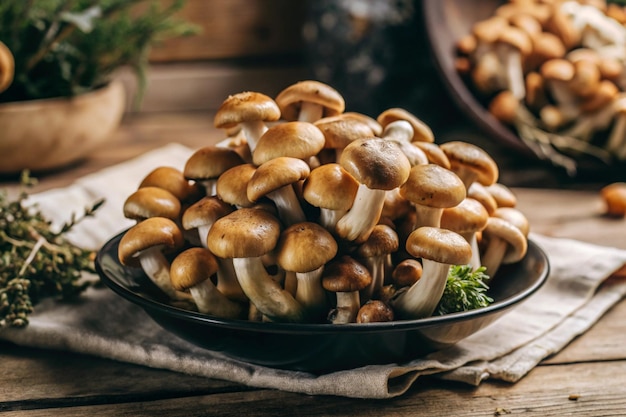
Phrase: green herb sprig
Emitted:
{"points": [[35, 261], [465, 290]]}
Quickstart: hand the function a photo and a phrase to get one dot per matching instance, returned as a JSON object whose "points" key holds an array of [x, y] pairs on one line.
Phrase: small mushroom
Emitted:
{"points": [[330, 188], [339, 131], [471, 163], [401, 132], [191, 270], [374, 311], [421, 131], [438, 249], [145, 245], [614, 198], [431, 188], [434, 154], [206, 164], [246, 235], [378, 165], [375, 255], [513, 45], [406, 273], [309, 100], [151, 202], [232, 185], [345, 277], [505, 244], [251, 110], [172, 180], [304, 248], [275, 180], [300, 140]]}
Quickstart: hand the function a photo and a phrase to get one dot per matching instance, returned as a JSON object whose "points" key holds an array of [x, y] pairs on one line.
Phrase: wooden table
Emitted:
{"points": [[588, 378]]}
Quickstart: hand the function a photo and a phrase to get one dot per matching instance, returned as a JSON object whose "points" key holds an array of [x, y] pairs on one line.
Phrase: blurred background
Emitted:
{"points": [[375, 52]]}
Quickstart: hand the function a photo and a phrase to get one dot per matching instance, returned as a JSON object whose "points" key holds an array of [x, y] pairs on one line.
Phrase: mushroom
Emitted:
{"points": [[513, 45], [374, 311], [421, 131], [515, 217], [245, 235], [616, 142], [340, 131], [468, 218], [191, 270], [406, 273], [502, 194], [304, 248], [375, 255], [471, 163], [345, 277], [251, 110], [172, 180], [232, 185], [309, 100], [7, 67], [378, 165], [614, 198], [373, 124], [206, 164], [144, 245], [431, 188], [479, 192], [433, 153], [330, 188], [505, 244], [438, 249], [300, 140], [274, 179], [557, 74], [536, 97], [151, 202]]}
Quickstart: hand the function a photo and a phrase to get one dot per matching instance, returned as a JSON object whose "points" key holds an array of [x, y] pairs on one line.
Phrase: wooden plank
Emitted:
{"points": [[583, 390], [236, 28]]}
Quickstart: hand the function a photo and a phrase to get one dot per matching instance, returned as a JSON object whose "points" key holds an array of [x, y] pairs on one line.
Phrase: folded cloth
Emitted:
{"points": [[570, 302]]}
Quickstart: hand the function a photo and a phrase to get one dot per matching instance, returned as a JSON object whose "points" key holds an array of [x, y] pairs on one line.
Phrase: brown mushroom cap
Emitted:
{"points": [[305, 247], [468, 216], [191, 267], [294, 139], [205, 211], [515, 217], [433, 186], [469, 161], [244, 107], [274, 174], [376, 163], [407, 272], [383, 240], [374, 311], [345, 274], [421, 131], [439, 245], [330, 186], [614, 198], [154, 231], [173, 180], [557, 69], [151, 202], [340, 131], [434, 153], [504, 106], [209, 162], [507, 231], [232, 185], [502, 194], [244, 233], [290, 99], [479, 193], [370, 121]]}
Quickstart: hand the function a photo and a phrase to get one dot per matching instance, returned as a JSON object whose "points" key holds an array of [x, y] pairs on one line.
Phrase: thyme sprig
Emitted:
{"points": [[35, 261], [465, 290]]}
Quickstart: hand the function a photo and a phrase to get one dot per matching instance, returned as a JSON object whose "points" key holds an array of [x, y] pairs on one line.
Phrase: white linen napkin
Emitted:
{"points": [[570, 302]]}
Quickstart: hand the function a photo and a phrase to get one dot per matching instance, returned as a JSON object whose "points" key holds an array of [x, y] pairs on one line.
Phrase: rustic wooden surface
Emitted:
{"points": [[588, 378]]}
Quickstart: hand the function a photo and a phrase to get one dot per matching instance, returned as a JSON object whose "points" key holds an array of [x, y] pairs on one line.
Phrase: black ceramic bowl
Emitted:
{"points": [[447, 21], [322, 348]]}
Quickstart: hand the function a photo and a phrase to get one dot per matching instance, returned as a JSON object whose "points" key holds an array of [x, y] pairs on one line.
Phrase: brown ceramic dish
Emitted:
{"points": [[321, 348]]}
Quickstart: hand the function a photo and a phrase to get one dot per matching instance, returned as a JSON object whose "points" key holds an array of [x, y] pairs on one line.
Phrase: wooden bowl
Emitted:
{"points": [[46, 134]]}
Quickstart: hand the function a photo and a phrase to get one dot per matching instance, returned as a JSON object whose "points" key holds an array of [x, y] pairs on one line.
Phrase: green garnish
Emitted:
{"points": [[465, 290], [35, 261]]}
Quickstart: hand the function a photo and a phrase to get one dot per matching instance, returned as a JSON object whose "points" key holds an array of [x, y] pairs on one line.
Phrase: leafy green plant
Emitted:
{"points": [[465, 290], [65, 47]]}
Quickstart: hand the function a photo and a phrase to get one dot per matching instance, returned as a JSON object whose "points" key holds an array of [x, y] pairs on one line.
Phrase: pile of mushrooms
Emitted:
{"points": [[307, 213], [554, 71]]}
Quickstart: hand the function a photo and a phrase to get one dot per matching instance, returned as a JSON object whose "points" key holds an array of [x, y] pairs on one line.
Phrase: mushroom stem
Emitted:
{"points": [[253, 130], [472, 239], [358, 222], [287, 204], [493, 255], [265, 293], [227, 282], [377, 267], [156, 266], [427, 216], [211, 301], [328, 218], [310, 293], [310, 112], [348, 304], [421, 299]]}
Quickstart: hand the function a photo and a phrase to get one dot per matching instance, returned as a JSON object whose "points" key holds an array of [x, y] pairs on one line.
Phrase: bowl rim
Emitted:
{"points": [[155, 306]]}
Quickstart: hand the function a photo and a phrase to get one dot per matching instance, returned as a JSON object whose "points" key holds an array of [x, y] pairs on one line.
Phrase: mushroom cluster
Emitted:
{"points": [[553, 70], [305, 212]]}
